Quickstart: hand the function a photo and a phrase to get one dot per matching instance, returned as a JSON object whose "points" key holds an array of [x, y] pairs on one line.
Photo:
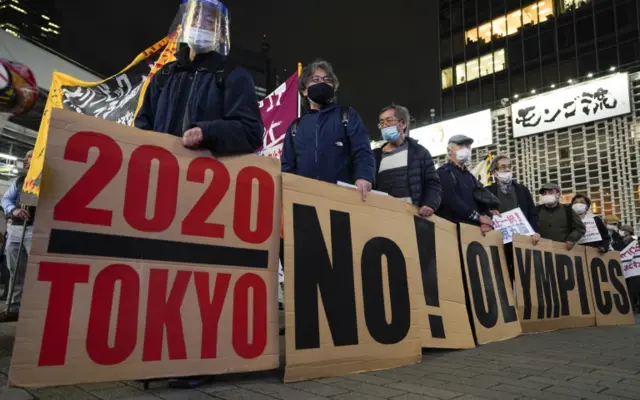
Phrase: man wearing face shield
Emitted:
{"points": [[458, 186], [404, 168], [558, 222], [329, 142], [201, 97]]}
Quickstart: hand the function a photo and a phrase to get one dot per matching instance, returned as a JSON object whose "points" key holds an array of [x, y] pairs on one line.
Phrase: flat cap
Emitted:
{"points": [[550, 186], [461, 140], [611, 219]]}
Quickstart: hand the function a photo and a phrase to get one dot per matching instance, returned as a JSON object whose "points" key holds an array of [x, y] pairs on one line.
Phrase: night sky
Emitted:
{"points": [[382, 52]]}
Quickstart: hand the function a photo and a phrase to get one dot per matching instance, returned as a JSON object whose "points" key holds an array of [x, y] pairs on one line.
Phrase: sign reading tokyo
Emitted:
{"points": [[591, 101], [435, 137], [148, 260]]}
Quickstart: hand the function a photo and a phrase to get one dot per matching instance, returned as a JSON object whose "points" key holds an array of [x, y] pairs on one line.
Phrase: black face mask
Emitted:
{"points": [[321, 93]]}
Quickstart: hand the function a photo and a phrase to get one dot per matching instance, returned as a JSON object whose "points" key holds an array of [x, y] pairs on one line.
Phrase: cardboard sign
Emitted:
{"points": [[148, 260], [593, 233], [351, 281], [553, 289], [610, 294], [630, 258], [512, 223], [487, 279]]}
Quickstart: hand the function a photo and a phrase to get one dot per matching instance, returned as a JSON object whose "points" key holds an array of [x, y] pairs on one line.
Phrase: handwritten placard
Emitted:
{"points": [[592, 234], [512, 222]]}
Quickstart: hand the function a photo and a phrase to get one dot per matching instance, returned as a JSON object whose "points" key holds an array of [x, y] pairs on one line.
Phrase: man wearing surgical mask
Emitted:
{"points": [[558, 222], [458, 184], [404, 168], [203, 97], [329, 142]]}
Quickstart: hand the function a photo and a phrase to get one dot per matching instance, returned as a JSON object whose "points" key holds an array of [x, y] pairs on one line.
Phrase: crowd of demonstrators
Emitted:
{"points": [[581, 205], [513, 195], [404, 168], [558, 222], [621, 236], [19, 231]]}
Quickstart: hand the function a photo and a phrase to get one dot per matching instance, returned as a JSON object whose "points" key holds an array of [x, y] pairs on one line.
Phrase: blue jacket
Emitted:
{"points": [[458, 203], [322, 150], [217, 98]]}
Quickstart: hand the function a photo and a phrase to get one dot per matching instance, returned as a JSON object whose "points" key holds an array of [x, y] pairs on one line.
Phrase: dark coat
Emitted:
{"points": [[424, 182], [322, 149], [219, 99], [525, 202], [458, 203], [604, 234]]}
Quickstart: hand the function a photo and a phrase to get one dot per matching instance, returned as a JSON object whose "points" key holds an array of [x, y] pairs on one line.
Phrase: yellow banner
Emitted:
{"points": [[117, 98]]}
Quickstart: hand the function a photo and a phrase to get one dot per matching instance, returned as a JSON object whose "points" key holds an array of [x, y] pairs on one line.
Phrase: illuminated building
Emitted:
{"points": [[31, 19]]}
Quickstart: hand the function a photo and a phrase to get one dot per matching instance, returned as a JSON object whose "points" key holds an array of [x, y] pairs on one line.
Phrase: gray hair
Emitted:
{"points": [[310, 69], [494, 163], [402, 113]]}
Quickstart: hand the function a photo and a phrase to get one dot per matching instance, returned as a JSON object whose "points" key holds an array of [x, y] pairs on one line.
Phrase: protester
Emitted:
{"points": [[404, 168], [203, 97], [19, 219], [463, 197], [581, 205], [620, 238], [558, 222], [513, 194], [329, 142]]}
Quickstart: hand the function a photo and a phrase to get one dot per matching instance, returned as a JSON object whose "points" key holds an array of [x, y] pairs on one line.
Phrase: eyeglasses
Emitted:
{"points": [[318, 79], [387, 122]]}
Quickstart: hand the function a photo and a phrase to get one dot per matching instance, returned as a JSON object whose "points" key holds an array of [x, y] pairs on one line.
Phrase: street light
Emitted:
{"points": [[570, 81], [533, 91], [553, 86], [515, 96], [590, 75], [612, 68]]}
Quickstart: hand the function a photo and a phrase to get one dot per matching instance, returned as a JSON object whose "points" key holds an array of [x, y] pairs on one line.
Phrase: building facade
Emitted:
{"points": [[598, 158], [35, 20], [494, 51]]}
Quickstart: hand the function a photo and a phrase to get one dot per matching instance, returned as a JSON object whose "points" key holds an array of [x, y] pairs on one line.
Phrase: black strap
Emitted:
{"points": [[345, 123]]}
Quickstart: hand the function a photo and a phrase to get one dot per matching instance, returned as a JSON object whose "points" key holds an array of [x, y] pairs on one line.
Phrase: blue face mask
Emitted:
{"points": [[390, 134]]}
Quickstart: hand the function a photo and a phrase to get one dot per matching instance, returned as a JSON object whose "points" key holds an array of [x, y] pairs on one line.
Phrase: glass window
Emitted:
{"points": [[483, 66], [461, 74], [447, 78], [486, 65], [473, 69], [499, 61]]}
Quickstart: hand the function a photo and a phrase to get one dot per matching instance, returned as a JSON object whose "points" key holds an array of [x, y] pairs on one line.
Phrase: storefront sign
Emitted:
{"points": [[435, 137], [591, 101]]}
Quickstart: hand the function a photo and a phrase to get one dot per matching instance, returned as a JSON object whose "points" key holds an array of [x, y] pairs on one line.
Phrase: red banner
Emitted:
{"points": [[278, 111]]}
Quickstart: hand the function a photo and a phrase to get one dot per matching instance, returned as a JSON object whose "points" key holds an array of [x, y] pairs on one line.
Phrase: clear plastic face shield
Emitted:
{"points": [[204, 26]]}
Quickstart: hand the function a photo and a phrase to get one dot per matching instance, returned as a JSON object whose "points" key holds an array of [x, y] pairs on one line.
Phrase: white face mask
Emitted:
{"points": [[579, 208], [624, 234], [463, 155], [199, 40], [611, 228], [548, 199], [505, 177]]}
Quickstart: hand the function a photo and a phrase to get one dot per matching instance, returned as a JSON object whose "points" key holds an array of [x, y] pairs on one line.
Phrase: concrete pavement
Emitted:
{"points": [[594, 363]]}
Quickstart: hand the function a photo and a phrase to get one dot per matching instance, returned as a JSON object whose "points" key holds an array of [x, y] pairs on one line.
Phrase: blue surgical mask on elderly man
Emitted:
{"points": [[390, 134]]}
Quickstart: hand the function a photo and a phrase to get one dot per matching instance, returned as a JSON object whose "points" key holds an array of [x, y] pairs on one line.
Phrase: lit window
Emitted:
{"points": [[473, 69], [461, 74], [447, 78]]}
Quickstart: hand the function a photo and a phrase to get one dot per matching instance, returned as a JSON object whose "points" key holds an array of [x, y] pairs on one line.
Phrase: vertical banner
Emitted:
{"points": [[148, 260], [444, 321], [278, 111], [552, 285], [610, 293], [351, 281], [490, 292], [115, 99]]}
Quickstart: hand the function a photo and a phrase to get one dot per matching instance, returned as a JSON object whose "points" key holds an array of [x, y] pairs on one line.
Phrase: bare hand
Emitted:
{"points": [[484, 220], [536, 238], [495, 213], [364, 187], [426, 211], [602, 250], [192, 138], [21, 213], [570, 245], [484, 228]]}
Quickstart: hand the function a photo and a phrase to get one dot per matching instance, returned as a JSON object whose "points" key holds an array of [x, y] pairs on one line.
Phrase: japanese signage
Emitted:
{"points": [[593, 233], [148, 260], [553, 286], [115, 99], [630, 258], [587, 102], [278, 111], [489, 290], [511, 223], [435, 137]]}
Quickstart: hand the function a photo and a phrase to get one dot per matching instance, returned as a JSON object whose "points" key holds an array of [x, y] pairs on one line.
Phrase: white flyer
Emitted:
{"points": [[512, 222], [630, 258], [592, 234]]}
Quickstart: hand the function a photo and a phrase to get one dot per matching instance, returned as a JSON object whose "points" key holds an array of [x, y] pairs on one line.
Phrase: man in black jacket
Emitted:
{"points": [[405, 169], [513, 194]]}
